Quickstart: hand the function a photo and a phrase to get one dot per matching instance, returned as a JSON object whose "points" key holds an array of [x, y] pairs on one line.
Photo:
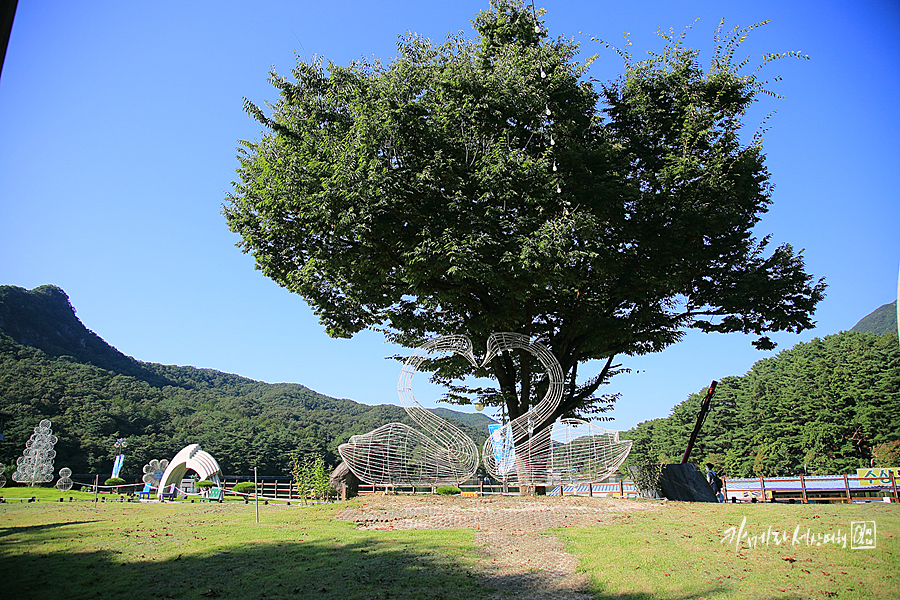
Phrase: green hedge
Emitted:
{"points": [[244, 487], [448, 490], [114, 481]]}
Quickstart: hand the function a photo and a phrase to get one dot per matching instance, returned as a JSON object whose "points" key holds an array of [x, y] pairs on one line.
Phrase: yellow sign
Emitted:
{"points": [[878, 475]]}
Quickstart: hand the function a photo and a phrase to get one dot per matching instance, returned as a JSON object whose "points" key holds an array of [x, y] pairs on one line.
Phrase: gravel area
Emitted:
{"points": [[519, 558]]}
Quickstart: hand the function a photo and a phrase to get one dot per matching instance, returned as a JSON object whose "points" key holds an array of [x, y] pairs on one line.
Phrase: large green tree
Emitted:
{"points": [[487, 184]]}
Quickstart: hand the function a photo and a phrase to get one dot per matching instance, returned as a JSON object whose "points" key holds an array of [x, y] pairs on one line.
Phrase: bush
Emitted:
{"points": [[205, 484], [448, 490], [114, 481], [311, 477], [244, 487]]}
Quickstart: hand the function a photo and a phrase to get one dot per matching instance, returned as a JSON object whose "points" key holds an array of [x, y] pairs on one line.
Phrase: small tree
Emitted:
{"points": [[244, 487], [319, 478], [114, 482], [301, 477], [310, 477]]}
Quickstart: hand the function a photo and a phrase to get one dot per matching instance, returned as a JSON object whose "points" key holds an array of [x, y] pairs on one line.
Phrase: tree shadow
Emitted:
{"points": [[261, 569], [8, 531], [361, 570]]}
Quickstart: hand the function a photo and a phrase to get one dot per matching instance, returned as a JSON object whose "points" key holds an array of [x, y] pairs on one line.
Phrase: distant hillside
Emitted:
{"points": [[476, 420], [823, 407], [52, 366], [880, 321], [43, 318]]}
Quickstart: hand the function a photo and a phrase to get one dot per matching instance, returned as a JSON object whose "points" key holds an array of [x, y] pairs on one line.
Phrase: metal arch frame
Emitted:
{"points": [[571, 449]]}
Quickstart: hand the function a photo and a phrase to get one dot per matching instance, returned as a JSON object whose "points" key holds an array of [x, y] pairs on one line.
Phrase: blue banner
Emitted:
{"points": [[504, 451], [117, 464]]}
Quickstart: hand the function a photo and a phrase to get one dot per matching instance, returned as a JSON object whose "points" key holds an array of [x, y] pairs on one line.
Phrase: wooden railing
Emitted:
{"points": [[808, 490]]}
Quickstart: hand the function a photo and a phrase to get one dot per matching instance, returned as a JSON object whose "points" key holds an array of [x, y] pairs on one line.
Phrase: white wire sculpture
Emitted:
{"points": [[36, 463], [520, 452], [397, 454], [2, 475], [567, 451], [154, 470], [65, 483]]}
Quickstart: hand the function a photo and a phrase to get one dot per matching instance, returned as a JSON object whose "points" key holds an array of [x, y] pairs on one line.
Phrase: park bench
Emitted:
{"points": [[216, 494], [145, 493], [171, 494]]}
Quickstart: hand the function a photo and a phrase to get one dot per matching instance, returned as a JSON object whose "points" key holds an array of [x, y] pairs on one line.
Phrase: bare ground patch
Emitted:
{"points": [[518, 558]]}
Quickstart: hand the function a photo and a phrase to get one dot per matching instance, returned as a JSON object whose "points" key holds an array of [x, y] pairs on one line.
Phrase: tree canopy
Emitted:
{"points": [[487, 184]]}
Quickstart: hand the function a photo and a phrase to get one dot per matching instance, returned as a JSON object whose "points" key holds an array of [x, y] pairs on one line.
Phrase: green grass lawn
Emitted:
{"points": [[690, 551], [187, 550], [183, 550]]}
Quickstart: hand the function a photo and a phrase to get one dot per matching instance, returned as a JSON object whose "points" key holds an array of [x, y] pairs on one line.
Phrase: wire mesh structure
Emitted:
{"points": [[397, 454], [64, 484], [568, 451], [520, 452], [36, 463], [2, 475]]}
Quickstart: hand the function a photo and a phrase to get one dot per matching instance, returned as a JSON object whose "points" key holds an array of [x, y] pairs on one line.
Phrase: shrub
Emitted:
{"points": [[311, 477], [244, 487], [115, 481], [448, 490], [205, 484]]}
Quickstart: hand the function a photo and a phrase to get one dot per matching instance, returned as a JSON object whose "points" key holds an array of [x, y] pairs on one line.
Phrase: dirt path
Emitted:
{"points": [[519, 561]]}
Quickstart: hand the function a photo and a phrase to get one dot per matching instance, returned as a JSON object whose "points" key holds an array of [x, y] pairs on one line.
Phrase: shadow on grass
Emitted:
{"points": [[8, 531], [361, 570], [368, 569], [711, 592]]}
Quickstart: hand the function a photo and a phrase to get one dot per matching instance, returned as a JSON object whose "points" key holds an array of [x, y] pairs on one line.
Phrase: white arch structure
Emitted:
{"points": [[192, 458]]}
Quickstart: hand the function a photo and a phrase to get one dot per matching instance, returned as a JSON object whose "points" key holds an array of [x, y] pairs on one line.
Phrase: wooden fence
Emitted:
{"points": [[809, 490]]}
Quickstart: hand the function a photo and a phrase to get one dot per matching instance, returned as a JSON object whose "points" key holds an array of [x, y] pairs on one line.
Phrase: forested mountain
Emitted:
{"points": [[821, 407], [880, 321], [53, 367]]}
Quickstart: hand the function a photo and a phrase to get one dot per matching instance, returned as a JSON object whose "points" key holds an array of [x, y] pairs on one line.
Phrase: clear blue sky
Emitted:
{"points": [[119, 123]]}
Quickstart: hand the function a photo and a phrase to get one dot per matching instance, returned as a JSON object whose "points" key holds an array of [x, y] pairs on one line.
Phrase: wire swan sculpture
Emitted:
{"points": [[397, 454], [567, 451], [521, 452]]}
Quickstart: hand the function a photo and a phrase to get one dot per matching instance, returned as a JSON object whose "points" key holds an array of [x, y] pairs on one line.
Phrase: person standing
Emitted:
{"points": [[715, 482]]}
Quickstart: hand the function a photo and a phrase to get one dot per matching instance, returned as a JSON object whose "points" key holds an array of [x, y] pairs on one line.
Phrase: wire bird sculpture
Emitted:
{"points": [[519, 452], [567, 451], [397, 454]]}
